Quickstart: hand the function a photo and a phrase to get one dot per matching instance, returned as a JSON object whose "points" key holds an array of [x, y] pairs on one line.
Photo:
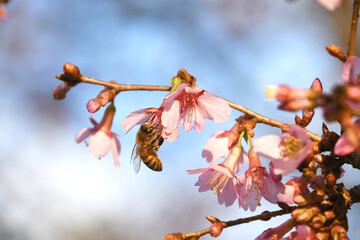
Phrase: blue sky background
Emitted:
{"points": [[52, 188]]}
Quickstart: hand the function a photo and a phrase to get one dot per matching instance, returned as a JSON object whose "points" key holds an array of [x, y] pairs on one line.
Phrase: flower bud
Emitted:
{"points": [[318, 221], [93, 105], [316, 86], [338, 231], [216, 229], [60, 91], [72, 71], [305, 216], [173, 236], [336, 51], [330, 180], [329, 215], [302, 199], [317, 182], [322, 236], [106, 96]]}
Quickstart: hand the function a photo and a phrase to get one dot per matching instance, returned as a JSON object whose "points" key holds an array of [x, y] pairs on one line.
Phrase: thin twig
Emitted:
{"points": [[265, 216], [354, 20]]}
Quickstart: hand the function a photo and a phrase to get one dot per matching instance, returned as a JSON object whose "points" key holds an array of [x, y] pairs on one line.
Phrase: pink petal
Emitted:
{"points": [[350, 71], [299, 132], [343, 146], [170, 116], [268, 146], [215, 147], [199, 121], [330, 5], [228, 195], [288, 196], [189, 89], [170, 136], [213, 107], [93, 121], [186, 119], [82, 135], [135, 118], [115, 149], [99, 144]]}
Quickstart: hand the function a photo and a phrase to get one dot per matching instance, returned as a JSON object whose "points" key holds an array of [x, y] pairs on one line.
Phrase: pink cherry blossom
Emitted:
{"points": [[255, 184], [303, 232], [60, 91], [101, 139], [189, 104], [278, 232], [220, 178], [293, 187], [286, 152], [220, 144], [330, 5], [350, 73]]}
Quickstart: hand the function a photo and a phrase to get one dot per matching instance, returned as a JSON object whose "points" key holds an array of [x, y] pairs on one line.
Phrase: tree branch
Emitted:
{"points": [[354, 20]]}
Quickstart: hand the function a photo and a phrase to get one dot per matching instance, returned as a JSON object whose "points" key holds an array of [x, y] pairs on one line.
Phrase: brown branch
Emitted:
{"points": [[264, 216], [124, 87], [355, 194], [353, 159], [354, 19]]}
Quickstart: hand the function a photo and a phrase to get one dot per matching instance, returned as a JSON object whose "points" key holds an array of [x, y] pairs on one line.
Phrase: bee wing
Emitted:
{"points": [[135, 158]]}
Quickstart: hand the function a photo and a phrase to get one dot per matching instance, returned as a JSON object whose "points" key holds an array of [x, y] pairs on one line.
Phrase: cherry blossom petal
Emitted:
{"points": [[99, 144], [351, 70], [82, 135], [199, 121], [228, 194], [343, 146], [216, 147], [170, 136], [287, 196], [213, 107], [186, 119], [170, 116], [135, 118], [268, 146], [330, 5], [115, 149]]}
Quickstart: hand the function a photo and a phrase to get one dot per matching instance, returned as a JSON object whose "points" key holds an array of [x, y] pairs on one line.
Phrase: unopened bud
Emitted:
{"points": [[338, 231], [317, 182], [336, 51], [316, 86], [93, 105], [302, 199], [72, 71], [106, 96], [305, 216], [322, 236], [216, 229], [295, 213], [318, 158], [330, 179], [329, 215], [173, 236], [60, 91], [318, 221]]}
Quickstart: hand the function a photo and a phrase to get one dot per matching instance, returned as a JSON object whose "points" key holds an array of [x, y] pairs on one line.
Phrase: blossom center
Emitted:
{"points": [[254, 183], [188, 103], [218, 181], [291, 147]]}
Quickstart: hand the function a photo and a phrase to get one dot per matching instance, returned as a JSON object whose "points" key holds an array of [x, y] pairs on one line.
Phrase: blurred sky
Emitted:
{"points": [[52, 188]]}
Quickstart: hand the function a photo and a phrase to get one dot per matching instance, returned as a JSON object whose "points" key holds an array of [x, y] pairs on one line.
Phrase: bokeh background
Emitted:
{"points": [[52, 188]]}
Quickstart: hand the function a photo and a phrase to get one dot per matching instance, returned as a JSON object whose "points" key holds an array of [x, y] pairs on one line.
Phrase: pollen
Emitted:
{"points": [[218, 181], [291, 147]]}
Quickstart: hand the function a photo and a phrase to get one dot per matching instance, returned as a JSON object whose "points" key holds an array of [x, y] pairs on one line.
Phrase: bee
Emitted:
{"points": [[148, 142]]}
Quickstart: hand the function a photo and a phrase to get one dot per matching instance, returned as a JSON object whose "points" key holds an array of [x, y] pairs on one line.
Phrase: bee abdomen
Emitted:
{"points": [[151, 160]]}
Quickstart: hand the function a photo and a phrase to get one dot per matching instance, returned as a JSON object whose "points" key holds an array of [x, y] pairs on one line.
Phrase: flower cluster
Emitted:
{"points": [[286, 152]]}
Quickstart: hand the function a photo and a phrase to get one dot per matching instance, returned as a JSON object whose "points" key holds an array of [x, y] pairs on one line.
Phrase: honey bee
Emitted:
{"points": [[148, 142]]}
